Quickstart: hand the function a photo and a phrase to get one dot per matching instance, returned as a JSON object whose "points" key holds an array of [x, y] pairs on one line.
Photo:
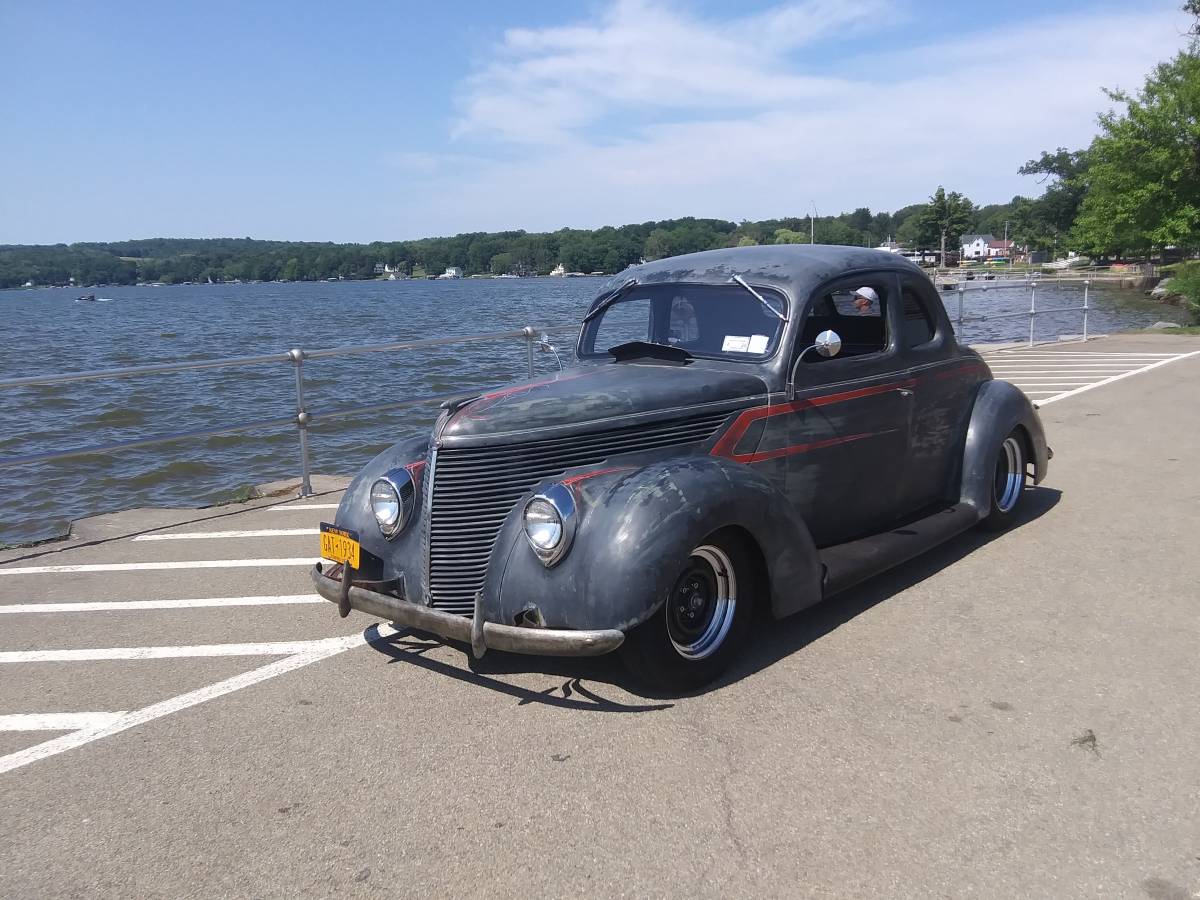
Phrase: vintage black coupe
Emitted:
{"points": [[752, 428]]}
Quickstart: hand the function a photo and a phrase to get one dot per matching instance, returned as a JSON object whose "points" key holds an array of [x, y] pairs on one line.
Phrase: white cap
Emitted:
{"points": [[868, 293]]}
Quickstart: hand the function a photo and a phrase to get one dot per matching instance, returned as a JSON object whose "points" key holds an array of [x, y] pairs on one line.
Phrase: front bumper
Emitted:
{"points": [[475, 631]]}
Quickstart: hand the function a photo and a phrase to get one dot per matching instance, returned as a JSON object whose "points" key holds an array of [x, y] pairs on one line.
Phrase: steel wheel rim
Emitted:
{"points": [[1010, 475], [706, 637]]}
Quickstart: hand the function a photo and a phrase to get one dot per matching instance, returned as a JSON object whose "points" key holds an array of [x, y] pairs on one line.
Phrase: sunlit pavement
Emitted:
{"points": [[1015, 715]]}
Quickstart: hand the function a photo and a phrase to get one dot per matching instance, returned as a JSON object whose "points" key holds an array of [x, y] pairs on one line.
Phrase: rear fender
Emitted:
{"points": [[637, 527], [999, 408]]}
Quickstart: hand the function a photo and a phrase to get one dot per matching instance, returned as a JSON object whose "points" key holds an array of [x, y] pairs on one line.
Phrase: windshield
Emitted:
{"points": [[724, 321]]}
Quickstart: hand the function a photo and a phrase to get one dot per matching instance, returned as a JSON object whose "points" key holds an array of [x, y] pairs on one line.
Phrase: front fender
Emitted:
{"points": [[999, 408], [384, 560], [636, 529]]}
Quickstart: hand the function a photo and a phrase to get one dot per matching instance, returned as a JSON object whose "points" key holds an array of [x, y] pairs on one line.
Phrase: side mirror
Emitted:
{"points": [[828, 344]]}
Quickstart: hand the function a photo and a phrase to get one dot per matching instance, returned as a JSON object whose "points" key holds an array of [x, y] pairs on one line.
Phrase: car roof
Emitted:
{"points": [[796, 268]]}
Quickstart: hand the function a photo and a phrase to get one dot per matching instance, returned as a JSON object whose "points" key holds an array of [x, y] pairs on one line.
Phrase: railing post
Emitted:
{"points": [[961, 292], [302, 419], [530, 332], [1085, 308], [1032, 308]]}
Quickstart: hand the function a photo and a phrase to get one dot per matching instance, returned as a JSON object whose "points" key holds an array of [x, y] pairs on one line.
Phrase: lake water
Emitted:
{"points": [[45, 331]]}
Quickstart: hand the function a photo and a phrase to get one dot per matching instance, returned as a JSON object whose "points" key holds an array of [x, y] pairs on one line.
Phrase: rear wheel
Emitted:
{"points": [[702, 622], [1008, 482]]}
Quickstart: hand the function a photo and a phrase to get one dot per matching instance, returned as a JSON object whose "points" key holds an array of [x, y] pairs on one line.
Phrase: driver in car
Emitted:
{"points": [[866, 301]]}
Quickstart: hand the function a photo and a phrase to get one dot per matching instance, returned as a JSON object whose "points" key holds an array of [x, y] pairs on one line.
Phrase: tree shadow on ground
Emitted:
{"points": [[770, 640]]}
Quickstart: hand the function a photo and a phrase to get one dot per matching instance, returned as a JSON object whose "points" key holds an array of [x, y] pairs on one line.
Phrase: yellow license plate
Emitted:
{"points": [[340, 545]]}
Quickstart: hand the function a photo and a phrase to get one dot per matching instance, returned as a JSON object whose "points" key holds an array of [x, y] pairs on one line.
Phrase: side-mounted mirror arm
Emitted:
{"points": [[828, 344], [544, 346]]}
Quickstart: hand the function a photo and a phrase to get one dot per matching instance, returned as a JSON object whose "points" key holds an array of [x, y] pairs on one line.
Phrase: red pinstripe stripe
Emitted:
{"points": [[799, 448], [729, 440], [575, 479]]}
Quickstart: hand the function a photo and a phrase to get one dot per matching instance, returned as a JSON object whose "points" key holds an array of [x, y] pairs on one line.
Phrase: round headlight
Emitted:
{"points": [[550, 522], [385, 503], [543, 525]]}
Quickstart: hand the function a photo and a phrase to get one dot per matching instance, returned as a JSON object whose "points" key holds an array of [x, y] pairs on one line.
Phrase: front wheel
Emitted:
{"points": [[702, 622], [1008, 483]]}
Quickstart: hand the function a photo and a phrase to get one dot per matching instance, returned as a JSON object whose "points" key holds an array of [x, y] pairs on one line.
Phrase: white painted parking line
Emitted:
{"points": [[1053, 375], [138, 605], [58, 721], [1110, 380], [212, 535], [331, 647], [1067, 367], [152, 566], [287, 507], [267, 648]]}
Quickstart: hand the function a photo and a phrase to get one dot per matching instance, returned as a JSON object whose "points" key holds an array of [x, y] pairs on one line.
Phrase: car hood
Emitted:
{"points": [[598, 393]]}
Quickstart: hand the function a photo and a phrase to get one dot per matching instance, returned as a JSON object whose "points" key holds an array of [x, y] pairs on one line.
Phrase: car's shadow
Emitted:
{"points": [[770, 640]]}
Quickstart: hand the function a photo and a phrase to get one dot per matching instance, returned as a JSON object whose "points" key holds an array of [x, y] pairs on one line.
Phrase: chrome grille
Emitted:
{"points": [[473, 490]]}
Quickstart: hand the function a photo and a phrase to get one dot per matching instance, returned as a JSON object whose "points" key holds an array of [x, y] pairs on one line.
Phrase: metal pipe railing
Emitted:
{"points": [[303, 419], [1033, 312]]}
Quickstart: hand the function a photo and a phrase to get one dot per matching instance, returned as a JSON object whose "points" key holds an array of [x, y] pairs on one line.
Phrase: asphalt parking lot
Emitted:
{"points": [[1011, 715]]}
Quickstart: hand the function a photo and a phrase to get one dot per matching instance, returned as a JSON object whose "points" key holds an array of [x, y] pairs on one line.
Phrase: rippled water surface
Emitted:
{"points": [[46, 331]]}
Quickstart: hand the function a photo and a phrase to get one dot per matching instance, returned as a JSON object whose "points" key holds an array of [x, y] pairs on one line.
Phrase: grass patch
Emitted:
{"points": [[243, 494], [1186, 282]]}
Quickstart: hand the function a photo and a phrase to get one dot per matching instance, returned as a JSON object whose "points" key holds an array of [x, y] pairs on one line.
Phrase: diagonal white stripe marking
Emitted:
{"points": [[1089, 387], [267, 648], [208, 535], [137, 605], [58, 721], [150, 566], [139, 717], [286, 507]]}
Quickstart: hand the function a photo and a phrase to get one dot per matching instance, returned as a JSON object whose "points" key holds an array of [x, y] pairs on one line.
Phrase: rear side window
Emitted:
{"points": [[919, 325]]}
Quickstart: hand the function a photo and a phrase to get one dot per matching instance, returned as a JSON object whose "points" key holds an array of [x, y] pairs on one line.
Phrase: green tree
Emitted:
{"points": [[944, 220], [1143, 178], [788, 236], [1057, 208]]}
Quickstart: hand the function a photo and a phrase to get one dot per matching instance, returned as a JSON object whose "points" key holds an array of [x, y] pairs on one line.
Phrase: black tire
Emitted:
{"points": [[1008, 482], [699, 628]]}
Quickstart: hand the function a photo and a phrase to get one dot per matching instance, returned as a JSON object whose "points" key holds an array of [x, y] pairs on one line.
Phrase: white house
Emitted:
{"points": [[975, 246], [452, 272]]}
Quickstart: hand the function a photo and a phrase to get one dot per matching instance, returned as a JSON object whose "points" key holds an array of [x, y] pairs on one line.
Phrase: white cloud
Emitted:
{"points": [[649, 112], [643, 56]]}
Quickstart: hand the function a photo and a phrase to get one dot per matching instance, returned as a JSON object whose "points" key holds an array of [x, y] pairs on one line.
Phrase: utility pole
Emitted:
{"points": [[812, 227]]}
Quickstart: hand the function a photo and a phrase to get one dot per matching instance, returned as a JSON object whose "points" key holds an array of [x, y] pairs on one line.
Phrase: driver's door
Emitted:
{"points": [[843, 440]]}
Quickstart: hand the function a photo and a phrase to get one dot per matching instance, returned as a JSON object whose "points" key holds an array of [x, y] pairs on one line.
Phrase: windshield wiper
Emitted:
{"points": [[610, 298], [761, 299]]}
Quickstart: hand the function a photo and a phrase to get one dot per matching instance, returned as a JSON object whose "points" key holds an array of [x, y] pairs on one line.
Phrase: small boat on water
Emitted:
{"points": [[86, 298]]}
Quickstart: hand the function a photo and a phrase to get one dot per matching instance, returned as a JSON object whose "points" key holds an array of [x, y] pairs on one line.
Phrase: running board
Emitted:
{"points": [[854, 561]]}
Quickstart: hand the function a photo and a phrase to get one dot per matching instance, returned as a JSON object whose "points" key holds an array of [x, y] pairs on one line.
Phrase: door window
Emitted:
{"points": [[858, 312]]}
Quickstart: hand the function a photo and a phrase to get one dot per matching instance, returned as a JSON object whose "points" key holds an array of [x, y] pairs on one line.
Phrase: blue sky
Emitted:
{"points": [[384, 121]]}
